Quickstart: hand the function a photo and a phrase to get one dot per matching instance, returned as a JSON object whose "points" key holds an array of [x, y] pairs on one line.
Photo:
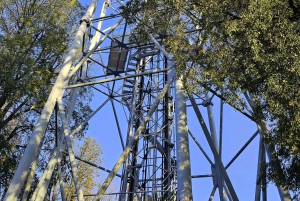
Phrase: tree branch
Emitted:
{"points": [[15, 131], [295, 9], [13, 114]]}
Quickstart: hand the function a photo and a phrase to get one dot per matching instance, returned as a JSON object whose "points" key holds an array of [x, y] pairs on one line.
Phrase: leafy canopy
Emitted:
{"points": [[237, 47]]}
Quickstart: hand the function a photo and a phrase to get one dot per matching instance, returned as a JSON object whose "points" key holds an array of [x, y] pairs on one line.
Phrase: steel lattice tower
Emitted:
{"points": [[139, 81]]}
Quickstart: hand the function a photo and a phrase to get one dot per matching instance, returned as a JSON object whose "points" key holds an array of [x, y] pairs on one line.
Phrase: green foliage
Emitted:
{"points": [[238, 47], [88, 150]]}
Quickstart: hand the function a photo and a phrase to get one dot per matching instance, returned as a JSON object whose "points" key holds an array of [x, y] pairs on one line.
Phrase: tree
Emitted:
{"points": [[88, 175], [90, 151], [34, 35], [236, 48]]}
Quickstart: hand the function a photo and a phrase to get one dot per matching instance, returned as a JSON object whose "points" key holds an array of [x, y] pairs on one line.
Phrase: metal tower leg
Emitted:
{"points": [[42, 186], [264, 187], [261, 161], [184, 186], [258, 185], [213, 133], [62, 190], [29, 179]]}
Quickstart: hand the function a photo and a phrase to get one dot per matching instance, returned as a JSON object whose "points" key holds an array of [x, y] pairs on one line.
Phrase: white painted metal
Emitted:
{"points": [[184, 184], [29, 179], [67, 139], [213, 134]]}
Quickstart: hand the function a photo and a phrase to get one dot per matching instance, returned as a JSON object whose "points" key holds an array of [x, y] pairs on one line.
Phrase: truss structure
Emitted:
{"points": [[139, 81]]}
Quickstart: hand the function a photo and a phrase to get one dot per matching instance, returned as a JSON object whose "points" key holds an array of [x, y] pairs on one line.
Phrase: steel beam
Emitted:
{"points": [[242, 149], [213, 134], [184, 183], [258, 187], [201, 149], [131, 143], [117, 78], [67, 139], [214, 149], [92, 164]]}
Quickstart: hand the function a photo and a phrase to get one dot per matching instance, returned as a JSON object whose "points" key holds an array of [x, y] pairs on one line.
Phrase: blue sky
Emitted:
{"points": [[236, 131]]}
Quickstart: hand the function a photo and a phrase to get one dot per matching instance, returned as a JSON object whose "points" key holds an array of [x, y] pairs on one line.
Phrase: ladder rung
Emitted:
{"points": [[132, 64], [128, 86], [130, 69], [126, 97], [126, 92], [130, 81]]}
